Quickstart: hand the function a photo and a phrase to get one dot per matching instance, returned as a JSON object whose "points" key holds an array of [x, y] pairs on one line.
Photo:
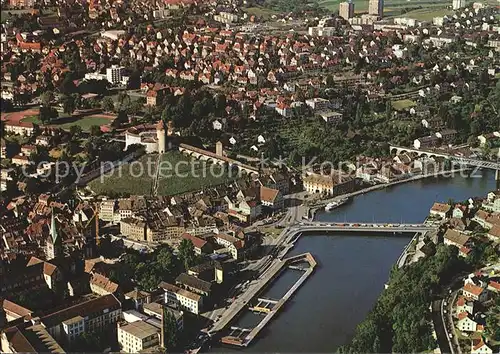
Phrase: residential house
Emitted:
{"points": [[447, 135], [479, 347], [138, 297], [232, 244], [494, 286], [200, 246], [440, 209], [192, 283], [28, 336], [425, 142], [271, 198], [475, 292], [217, 125], [21, 160], [101, 285], [181, 298], [466, 323], [494, 233], [464, 305], [331, 117], [209, 271], [460, 211], [455, 238]]}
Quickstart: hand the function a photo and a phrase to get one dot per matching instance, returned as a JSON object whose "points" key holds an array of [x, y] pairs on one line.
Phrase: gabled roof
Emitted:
{"points": [[87, 308], [473, 289], [197, 242], [268, 194]]}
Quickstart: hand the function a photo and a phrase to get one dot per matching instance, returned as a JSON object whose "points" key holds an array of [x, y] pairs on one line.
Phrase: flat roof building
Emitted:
{"points": [[137, 336]]}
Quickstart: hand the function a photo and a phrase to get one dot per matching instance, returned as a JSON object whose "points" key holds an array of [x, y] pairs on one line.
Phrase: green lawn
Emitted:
{"points": [[179, 174], [85, 123], [391, 7], [403, 104]]}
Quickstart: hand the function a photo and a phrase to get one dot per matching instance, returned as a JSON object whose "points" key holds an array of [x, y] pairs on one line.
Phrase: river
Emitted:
{"points": [[352, 270]]}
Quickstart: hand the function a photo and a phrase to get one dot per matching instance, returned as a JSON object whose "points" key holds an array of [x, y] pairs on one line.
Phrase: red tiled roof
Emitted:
{"points": [[473, 289], [197, 242]]}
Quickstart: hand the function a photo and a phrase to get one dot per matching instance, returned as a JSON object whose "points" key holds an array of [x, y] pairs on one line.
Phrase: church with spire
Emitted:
{"points": [[53, 245]]}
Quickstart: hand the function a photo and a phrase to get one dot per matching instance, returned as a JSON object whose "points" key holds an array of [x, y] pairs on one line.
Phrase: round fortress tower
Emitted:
{"points": [[161, 136]]}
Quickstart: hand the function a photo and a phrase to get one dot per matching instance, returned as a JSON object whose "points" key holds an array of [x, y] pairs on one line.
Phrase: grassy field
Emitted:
{"points": [[403, 104], [260, 11], [423, 10], [178, 174], [65, 123]]}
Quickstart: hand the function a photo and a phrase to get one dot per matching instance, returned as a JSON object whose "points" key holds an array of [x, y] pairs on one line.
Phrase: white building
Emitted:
{"points": [[479, 347], [475, 292], [458, 4], [231, 243], [114, 74], [466, 323], [95, 76], [137, 336], [318, 103], [180, 298]]}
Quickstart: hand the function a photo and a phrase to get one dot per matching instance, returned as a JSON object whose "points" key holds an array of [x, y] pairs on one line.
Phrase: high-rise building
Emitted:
{"points": [[114, 74], [458, 4], [376, 7], [346, 10]]}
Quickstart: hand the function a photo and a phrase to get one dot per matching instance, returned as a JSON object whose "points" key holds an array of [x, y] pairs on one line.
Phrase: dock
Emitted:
{"points": [[270, 307]]}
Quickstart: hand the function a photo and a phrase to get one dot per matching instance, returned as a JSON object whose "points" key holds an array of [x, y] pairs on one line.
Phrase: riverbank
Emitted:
{"points": [[353, 269]]}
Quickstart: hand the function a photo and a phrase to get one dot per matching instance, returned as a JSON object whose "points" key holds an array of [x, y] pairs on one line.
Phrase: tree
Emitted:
{"points": [[329, 81], [388, 110], [121, 118], [95, 130], [69, 104], [169, 329], [67, 86], [46, 98], [75, 130], [186, 253], [46, 114], [107, 104]]}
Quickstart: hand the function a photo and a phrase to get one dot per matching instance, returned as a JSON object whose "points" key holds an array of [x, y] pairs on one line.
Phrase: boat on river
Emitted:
{"points": [[336, 204]]}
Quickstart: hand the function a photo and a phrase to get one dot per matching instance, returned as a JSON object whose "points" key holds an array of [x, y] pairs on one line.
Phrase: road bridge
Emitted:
{"points": [[362, 227]]}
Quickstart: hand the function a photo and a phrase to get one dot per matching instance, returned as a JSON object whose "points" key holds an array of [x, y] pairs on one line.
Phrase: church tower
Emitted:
{"points": [[53, 246]]}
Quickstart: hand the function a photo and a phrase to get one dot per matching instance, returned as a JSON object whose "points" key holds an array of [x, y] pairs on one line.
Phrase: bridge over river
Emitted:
{"points": [[460, 160], [360, 227]]}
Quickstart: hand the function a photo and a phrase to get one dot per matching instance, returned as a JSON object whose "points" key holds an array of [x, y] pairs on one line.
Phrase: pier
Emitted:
{"points": [[242, 337]]}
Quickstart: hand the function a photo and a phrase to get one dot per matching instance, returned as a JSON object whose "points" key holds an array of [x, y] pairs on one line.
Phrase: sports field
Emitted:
{"points": [[65, 123]]}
